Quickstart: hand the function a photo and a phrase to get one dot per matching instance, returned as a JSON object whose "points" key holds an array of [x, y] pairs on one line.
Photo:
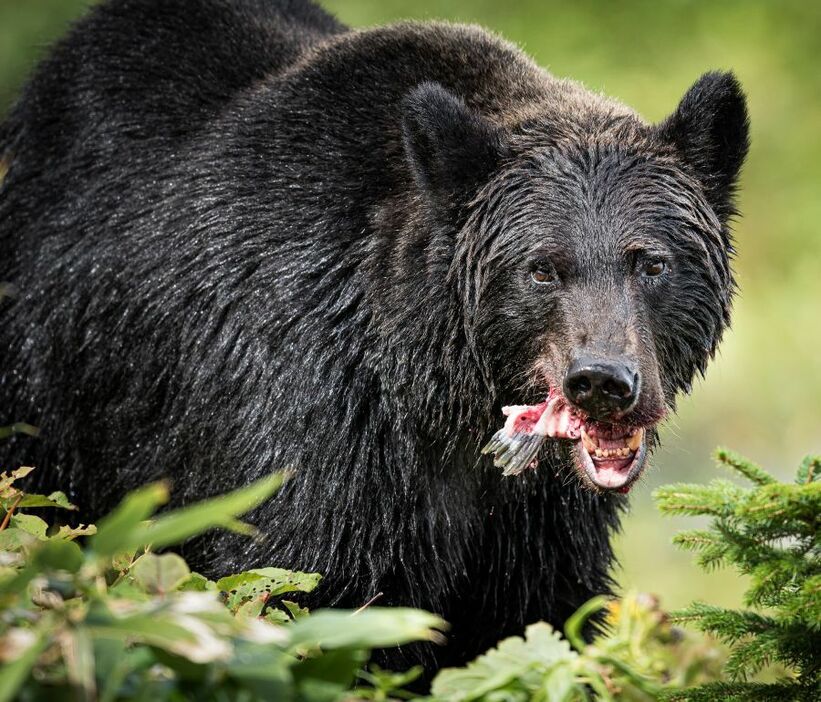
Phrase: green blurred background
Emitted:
{"points": [[762, 395]]}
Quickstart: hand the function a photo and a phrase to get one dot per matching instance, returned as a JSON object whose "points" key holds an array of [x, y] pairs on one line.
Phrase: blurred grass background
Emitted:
{"points": [[762, 395]]}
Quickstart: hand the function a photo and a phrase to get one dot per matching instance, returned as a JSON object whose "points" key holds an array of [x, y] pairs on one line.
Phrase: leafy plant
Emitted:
{"points": [[640, 655], [768, 532], [117, 621], [113, 619]]}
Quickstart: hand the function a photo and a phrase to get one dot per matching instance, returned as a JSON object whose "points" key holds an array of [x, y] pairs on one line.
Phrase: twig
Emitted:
{"points": [[368, 603], [10, 512]]}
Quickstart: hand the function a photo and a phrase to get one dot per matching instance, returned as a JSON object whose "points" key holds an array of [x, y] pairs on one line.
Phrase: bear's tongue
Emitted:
{"points": [[606, 453]]}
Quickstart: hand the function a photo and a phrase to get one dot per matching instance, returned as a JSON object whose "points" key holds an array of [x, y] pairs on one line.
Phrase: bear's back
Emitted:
{"points": [[134, 80]]}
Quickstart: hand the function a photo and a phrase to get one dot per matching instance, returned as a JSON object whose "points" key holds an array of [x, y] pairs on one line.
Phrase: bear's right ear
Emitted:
{"points": [[451, 149]]}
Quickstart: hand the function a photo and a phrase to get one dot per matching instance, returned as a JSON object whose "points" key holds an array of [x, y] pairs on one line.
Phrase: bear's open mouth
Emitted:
{"points": [[609, 456]]}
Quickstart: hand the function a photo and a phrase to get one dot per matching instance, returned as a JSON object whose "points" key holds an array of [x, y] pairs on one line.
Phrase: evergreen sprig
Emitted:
{"points": [[768, 532]]}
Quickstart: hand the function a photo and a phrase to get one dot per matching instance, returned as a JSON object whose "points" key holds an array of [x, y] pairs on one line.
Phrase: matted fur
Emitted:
{"points": [[246, 238]]}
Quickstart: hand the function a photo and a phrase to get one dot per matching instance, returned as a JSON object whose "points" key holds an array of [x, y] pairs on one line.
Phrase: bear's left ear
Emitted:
{"points": [[451, 149], [710, 129]]}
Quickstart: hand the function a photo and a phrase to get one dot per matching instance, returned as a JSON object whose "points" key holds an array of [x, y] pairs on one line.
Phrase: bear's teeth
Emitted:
{"points": [[590, 444], [634, 441]]}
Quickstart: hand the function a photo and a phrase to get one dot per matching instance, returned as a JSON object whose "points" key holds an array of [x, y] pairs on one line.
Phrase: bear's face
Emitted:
{"points": [[593, 265]]}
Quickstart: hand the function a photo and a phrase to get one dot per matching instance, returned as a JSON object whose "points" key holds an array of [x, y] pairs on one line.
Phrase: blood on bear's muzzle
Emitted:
{"points": [[607, 456]]}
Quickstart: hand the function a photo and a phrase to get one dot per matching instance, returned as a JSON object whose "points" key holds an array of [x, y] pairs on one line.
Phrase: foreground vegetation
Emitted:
{"points": [[98, 613]]}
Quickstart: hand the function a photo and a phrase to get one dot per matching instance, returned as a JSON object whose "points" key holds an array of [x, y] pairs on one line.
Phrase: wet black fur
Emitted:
{"points": [[244, 238]]}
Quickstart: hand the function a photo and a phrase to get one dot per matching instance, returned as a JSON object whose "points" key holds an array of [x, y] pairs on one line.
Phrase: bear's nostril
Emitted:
{"points": [[580, 386], [617, 388]]}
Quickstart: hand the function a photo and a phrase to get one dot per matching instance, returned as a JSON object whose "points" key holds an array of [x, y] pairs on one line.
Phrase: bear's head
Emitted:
{"points": [[591, 253]]}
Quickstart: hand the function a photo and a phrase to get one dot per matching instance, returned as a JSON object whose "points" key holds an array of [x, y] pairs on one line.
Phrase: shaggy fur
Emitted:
{"points": [[245, 238]]}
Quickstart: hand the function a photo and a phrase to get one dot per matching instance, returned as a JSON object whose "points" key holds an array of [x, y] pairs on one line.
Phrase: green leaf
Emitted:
{"points": [[116, 532], [262, 583], [374, 627], [58, 555], [541, 651], [12, 539], [191, 625], [19, 650], [160, 574], [295, 610], [326, 677], [9, 494], [178, 525], [55, 499], [263, 670], [70, 533], [19, 428], [198, 583], [30, 524]]}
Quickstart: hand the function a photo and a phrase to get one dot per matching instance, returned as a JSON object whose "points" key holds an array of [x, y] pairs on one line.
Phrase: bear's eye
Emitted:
{"points": [[653, 268], [543, 275]]}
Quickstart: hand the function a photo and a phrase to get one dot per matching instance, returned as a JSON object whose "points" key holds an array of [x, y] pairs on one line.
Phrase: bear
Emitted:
{"points": [[242, 237]]}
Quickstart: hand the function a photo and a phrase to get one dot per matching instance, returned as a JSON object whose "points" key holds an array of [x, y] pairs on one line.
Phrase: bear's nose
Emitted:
{"points": [[604, 388]]}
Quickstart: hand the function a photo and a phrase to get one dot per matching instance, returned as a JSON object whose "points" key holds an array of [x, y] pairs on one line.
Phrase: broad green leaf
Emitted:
{"points": [[295, 610], [55, 499], [7, 490], [178, 525], [528, 659], [374, 627], [252, 608], [262, 669], [324, 678], [12, 539], [70, 533], [117, 531], [233, 582], [160, 574], [191, 625], [560, 685], [58, 555], [198, 583], [262, 583], [31, 524], [19, 650], [274, 615]]}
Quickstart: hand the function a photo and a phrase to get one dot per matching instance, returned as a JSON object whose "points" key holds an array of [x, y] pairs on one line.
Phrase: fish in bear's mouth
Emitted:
{"points": [[610, 455]]}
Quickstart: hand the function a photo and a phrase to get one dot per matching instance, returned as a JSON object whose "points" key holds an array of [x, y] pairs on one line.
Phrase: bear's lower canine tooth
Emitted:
{"points": [[634, 441]]}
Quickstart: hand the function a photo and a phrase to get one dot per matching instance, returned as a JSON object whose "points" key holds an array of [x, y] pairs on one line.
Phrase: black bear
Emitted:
{"points": [[243, 237]]}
